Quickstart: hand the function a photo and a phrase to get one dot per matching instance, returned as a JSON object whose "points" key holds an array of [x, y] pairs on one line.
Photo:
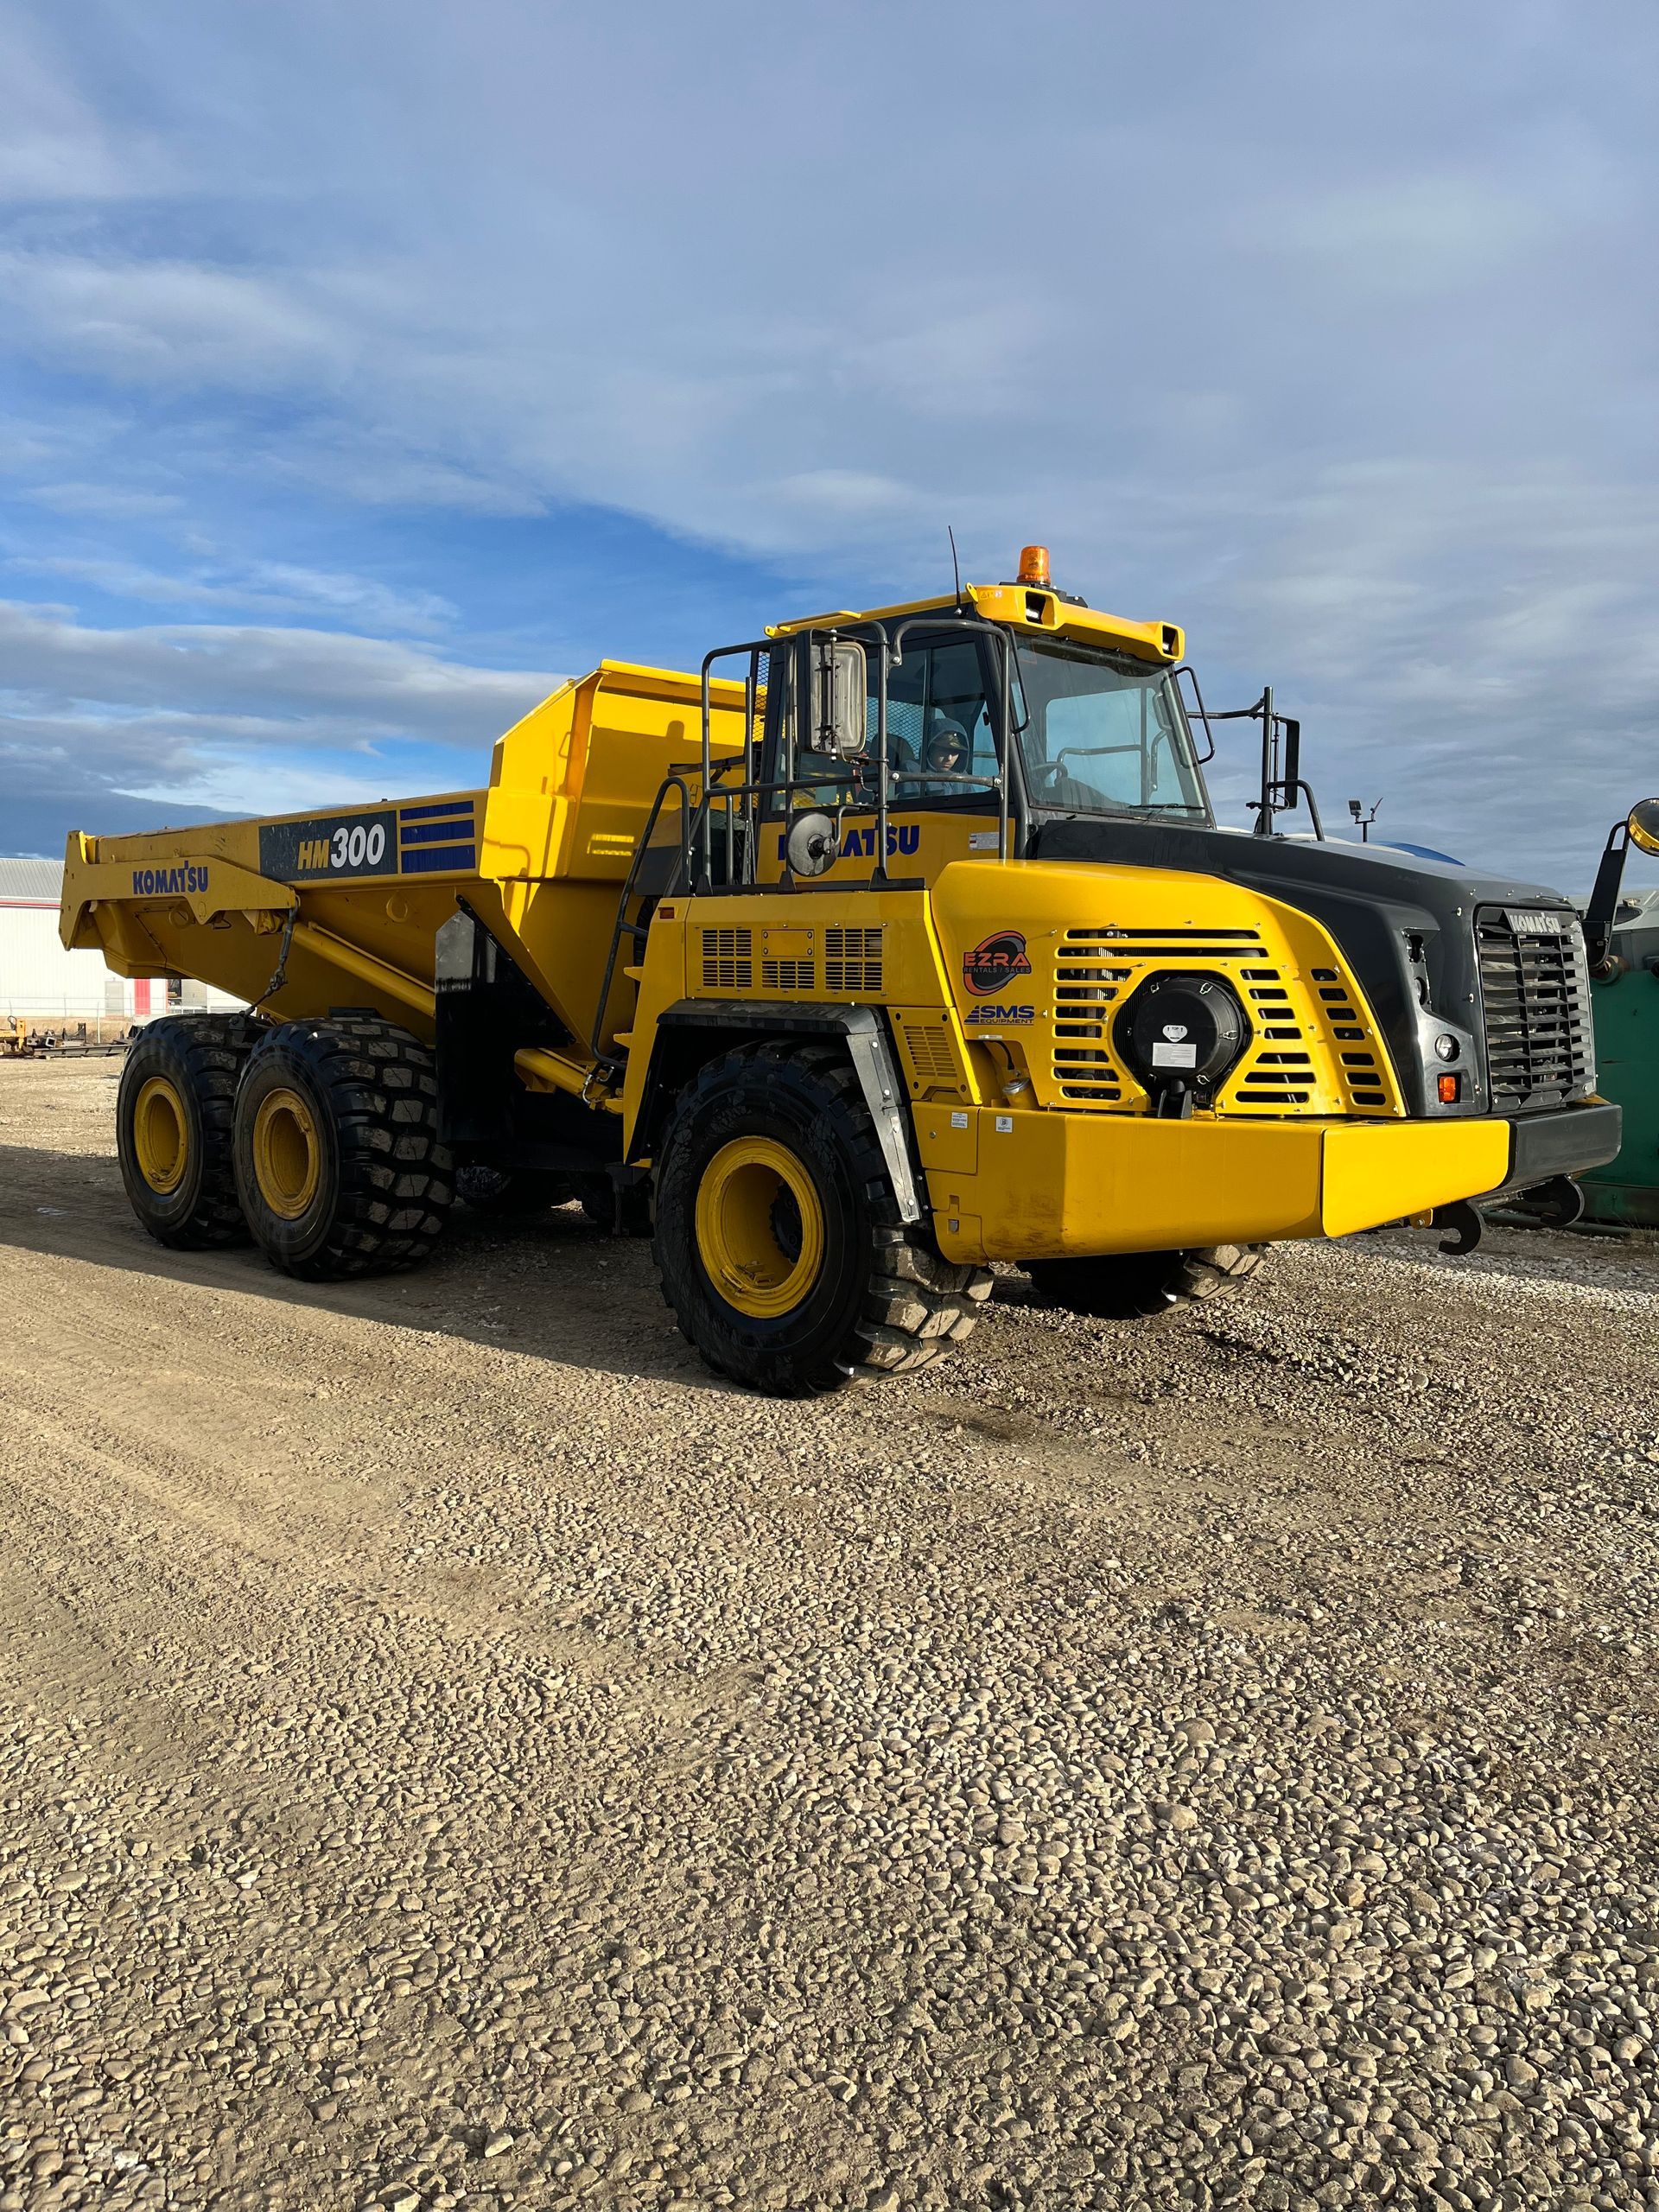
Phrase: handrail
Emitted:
{"points": [[674, 782]]}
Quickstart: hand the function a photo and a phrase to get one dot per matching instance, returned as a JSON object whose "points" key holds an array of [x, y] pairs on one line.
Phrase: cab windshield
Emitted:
{"points": [[1103, 734]]}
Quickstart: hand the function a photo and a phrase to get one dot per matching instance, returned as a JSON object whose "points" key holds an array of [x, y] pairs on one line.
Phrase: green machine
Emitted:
{"points": [[1621, 931]]}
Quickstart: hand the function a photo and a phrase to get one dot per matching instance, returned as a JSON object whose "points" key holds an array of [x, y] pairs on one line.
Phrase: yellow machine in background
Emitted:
{"points": [[909, 946]]}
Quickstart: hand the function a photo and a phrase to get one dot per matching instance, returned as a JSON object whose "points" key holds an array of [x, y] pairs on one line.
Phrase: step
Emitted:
{"points": [[635, 974]]}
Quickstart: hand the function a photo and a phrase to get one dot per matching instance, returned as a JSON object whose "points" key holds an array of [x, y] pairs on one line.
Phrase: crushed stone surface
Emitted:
{"points": [[453, 1752]]}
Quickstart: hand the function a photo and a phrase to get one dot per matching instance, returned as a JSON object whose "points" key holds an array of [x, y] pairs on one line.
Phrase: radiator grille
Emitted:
{"points": [[1095, 969], [1087, 1072], [727, 960], [1362, 1072], [1089, 982], [1535, 983], [852, 960]]}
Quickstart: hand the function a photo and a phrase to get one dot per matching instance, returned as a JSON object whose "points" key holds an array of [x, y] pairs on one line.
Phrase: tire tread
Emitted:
{"points": [[1146, 1286], [397, 1181], [914, 1301], [212, 1050]]}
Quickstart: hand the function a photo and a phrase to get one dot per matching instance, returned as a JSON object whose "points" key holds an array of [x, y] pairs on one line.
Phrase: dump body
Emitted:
{"points": [[299, 914]]}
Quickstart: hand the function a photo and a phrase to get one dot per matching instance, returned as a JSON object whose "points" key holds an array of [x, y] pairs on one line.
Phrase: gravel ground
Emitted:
{"points": [[453, 1752]]}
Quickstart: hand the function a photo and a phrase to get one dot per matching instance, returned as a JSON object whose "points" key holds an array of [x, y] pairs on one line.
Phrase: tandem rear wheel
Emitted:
{"points": [[340, 1171], [175, 1117], [778, 1237]]}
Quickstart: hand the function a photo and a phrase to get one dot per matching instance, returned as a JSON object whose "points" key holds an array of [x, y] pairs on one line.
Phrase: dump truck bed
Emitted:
{"points": [[303, 913]]}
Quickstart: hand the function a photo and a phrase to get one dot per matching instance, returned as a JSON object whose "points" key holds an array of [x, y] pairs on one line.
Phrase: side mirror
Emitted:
{"points": [[839, 690], [1292, 772], [1641, 827]]}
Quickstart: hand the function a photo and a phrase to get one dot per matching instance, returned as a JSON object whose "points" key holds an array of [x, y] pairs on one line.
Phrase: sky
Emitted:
{"points": [[367, 368]]}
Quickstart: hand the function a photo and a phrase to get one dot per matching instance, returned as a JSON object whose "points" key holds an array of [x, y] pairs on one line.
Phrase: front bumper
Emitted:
{"points": [[1566, 1142], [1044, 1184]]}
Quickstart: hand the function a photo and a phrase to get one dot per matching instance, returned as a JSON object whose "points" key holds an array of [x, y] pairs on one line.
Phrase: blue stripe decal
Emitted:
{"points": [[446, 806], [430, 858], [433, 833]]}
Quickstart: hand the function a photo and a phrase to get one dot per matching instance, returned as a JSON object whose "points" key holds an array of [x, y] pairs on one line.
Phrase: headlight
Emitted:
{"points": [[1180, 1034]]}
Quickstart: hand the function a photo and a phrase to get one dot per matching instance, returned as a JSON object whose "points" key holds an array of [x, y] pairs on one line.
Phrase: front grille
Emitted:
{"points": [[1536, 985]]}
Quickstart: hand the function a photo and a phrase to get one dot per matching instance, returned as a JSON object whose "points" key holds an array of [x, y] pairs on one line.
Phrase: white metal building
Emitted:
{"points": [[48, 986]]}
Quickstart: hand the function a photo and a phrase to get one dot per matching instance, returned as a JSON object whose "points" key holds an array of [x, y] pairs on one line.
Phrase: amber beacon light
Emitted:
{"points": [[1033, 564]]}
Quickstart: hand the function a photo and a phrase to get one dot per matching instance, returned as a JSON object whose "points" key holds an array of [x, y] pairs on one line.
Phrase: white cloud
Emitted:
{"points": [[105, 502], [370, 685], [1318, 334], [53, 146], [1412, 233], [264, 586], [226, 717], [170, 322]]}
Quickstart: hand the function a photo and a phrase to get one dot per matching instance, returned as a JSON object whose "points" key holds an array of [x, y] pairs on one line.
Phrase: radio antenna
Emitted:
{"points": [[955, 570]]}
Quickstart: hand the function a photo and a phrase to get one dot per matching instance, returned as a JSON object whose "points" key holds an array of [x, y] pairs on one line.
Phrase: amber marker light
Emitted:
{"points": [[1033, 564], [1450, 1086]]}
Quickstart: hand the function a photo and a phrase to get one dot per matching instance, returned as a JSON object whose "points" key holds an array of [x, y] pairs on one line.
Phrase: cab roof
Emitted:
{"points": [[1020, 607]]}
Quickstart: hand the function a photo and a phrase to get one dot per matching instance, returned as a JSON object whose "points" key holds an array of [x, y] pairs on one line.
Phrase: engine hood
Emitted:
{"points": [[1405, 925]]}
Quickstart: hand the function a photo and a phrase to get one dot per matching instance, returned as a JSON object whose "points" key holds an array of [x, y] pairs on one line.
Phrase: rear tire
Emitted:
{"points": [[174, 1119], [338, 1162], [1145, 1285], [777, 1237]]}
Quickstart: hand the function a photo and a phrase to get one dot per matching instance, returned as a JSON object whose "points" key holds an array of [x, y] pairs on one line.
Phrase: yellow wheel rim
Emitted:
{"points": [[160, 1136], [286, 1157], [759, 1227]]}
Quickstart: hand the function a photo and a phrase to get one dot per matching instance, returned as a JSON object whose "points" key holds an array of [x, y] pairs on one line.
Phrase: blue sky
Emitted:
{"points": [[364, 368]]}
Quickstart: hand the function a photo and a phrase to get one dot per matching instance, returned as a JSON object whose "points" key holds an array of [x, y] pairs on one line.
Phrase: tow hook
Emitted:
{"points": [[1465, 1225]]}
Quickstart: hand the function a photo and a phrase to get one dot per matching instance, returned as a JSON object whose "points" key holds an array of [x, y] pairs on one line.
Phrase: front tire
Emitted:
{"points": [[174, 1119], [338, 1162], [1145, 1285], [778, 1237]]}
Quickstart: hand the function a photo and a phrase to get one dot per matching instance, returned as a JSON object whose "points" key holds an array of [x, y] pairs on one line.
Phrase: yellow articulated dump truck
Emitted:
{"points": [[889, 945]]}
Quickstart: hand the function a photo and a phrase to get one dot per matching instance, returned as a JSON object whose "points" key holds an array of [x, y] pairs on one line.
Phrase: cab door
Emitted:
{"points": [[942, 799]]}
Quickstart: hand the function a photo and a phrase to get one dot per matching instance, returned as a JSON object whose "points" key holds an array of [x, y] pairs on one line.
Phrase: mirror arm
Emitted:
{"points": [[1264, 806], [1604, 900], [878, 873], [1306, 790]]}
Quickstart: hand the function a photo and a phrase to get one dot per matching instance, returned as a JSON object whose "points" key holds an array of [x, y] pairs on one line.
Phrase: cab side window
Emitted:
{"points": [[939, 726], [939, 735]]}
